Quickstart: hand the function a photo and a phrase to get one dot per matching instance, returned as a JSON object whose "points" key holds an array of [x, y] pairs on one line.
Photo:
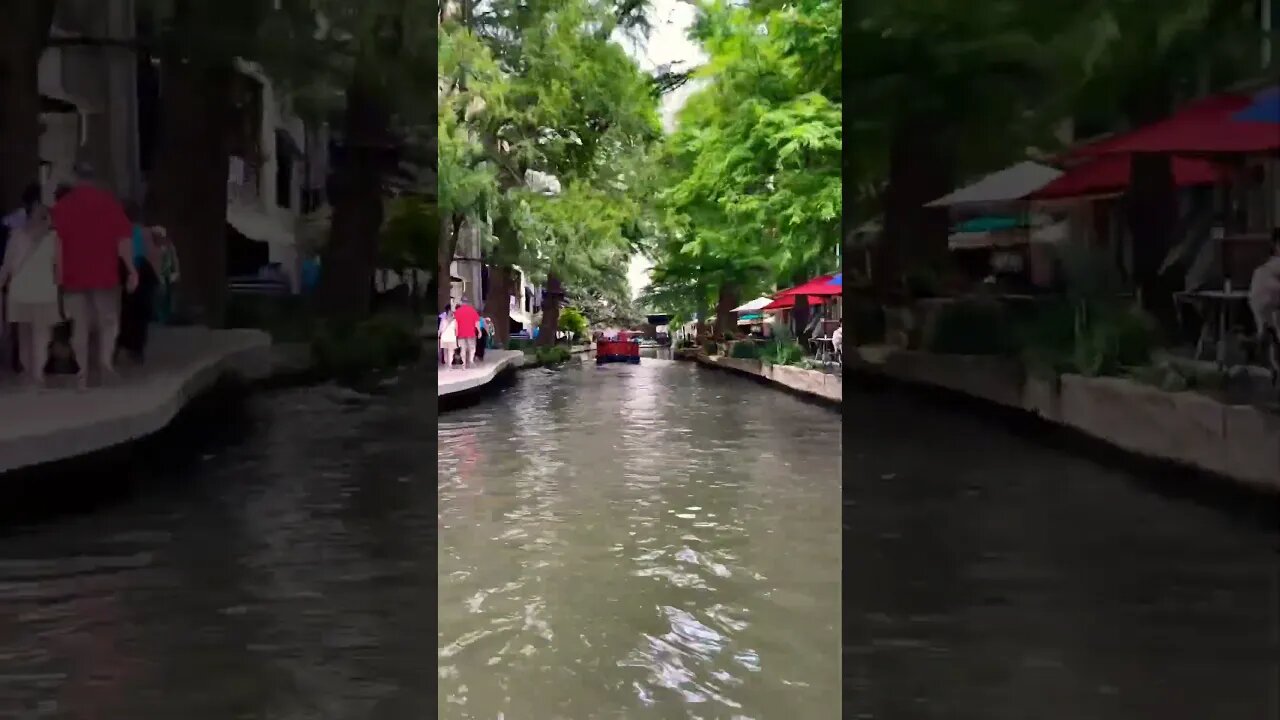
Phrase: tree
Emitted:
{"points": [[1132, 63], [755, 176], [469, 191], [575, 108], [23, 36], [198, 43]]}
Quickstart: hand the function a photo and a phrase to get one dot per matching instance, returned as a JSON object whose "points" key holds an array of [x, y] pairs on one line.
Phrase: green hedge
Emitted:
{"points": [[349, 351]]}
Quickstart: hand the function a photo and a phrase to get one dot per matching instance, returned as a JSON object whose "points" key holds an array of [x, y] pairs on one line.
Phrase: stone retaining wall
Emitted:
{"points": [[1235, 441], [807, 382]]}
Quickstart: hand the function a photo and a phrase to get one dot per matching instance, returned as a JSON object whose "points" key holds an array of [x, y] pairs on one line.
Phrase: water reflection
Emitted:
{"points": [[631, 554]]}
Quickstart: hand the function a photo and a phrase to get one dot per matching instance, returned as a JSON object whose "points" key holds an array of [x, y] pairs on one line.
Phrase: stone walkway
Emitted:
{"points": [[458, 380], [62, 422]]}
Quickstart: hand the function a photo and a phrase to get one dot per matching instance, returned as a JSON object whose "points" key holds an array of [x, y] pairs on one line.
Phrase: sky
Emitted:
{"points": [[666, 45]]}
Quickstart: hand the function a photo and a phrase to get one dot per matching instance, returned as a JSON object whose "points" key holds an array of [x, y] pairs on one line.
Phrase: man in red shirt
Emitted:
{"points": [[468, 328], [95, 236]]}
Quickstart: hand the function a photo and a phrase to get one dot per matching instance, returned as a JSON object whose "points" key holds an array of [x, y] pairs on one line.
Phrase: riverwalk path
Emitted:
{"points": [[58, 423], [458, 380]]}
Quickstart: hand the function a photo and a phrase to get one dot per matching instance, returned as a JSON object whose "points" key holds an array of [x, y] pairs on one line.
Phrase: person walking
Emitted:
{"points": [[11, 224], [170, 273], [448, 338], [137, 306], [29, 272], [485, 334], [95, 237], [468, 330]]}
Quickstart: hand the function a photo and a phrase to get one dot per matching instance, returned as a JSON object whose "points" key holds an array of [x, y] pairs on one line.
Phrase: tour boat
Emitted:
{"points": [[625, 349]]}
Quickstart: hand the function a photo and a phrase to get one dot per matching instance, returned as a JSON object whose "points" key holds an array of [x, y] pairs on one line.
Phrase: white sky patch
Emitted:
{"points": [[667, 45]]}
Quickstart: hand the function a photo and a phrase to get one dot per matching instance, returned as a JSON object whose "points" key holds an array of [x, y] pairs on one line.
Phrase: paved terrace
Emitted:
{"points": [[458, 380], [61, 422]]}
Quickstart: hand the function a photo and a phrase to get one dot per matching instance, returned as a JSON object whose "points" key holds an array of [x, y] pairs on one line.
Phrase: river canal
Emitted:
{"points": [[653, 541]]}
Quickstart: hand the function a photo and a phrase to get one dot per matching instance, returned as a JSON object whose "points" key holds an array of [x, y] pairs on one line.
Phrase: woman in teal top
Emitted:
{"points": [[136, 306]]}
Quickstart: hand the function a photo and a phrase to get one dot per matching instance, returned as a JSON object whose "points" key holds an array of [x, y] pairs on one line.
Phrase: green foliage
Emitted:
{"points": [[350, 351], [1089, 337], [781, 351], [754, 190], [973, 327], [745, 350], [519, 344], [285, 317], [552, 355], [410, 235], [573, 321]]}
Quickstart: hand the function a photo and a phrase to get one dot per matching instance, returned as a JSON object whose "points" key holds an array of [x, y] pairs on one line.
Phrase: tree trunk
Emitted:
{"points": [[551, 311], [726, 301], [914, 237], [188, 192], [496, 306], [444, 258], [23, 36], [351, 254], [1152, 204]]}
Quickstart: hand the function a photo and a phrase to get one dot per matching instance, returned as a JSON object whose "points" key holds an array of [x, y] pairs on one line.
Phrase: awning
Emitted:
{"points": [[1110, 174], [258, 226], [753, 306], [989, 224], [1008, 185], [1206, 127], [786, 302], [820, 285]]}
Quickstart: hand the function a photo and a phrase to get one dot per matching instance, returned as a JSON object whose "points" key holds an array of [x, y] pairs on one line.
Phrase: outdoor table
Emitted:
{"points": [[823, 347], [1221, 302]]}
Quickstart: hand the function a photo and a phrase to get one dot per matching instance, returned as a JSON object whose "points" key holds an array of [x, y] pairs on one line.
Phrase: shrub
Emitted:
{"points": [[553, 355], [972, 327], [781, 351], [921, 283], [1088, 337], [574, 322], [348, 351], [285, 317], [744, 350], [519, 344]]}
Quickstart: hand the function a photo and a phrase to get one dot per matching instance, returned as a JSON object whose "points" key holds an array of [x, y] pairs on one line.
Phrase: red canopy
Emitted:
{"points": [[1110, 174], [820, 285], [786, 302], [1205, 126]]}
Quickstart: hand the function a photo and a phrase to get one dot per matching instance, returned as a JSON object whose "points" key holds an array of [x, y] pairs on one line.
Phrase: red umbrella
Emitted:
{"points": [[820, 285], [1202, 127], [786, 302], [1110, 174]]}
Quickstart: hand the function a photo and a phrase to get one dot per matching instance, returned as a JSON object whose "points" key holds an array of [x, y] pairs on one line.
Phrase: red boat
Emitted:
{"points": [[626, 349]]}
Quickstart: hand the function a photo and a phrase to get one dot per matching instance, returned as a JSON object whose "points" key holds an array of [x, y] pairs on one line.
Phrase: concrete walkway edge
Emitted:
{"points": [[62, 424]]}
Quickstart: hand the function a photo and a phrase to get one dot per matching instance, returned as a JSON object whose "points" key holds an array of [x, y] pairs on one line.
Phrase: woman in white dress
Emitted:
{"points": [[449, 338], [30, 270]]}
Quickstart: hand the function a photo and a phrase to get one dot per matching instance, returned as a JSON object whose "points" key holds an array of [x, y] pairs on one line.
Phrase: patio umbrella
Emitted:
{"points": [[786, 302], [1265, 108], [1008, 185], [838, 280], [1206, 127], [820, 285], [1111, 173], [752, 306]]}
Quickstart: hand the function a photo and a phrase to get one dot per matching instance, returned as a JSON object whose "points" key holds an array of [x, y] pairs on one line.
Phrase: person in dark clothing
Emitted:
{"points": [[136, 308]]}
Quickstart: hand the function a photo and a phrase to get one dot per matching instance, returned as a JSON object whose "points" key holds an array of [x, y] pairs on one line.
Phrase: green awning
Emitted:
{"points": [[990, 224]]}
